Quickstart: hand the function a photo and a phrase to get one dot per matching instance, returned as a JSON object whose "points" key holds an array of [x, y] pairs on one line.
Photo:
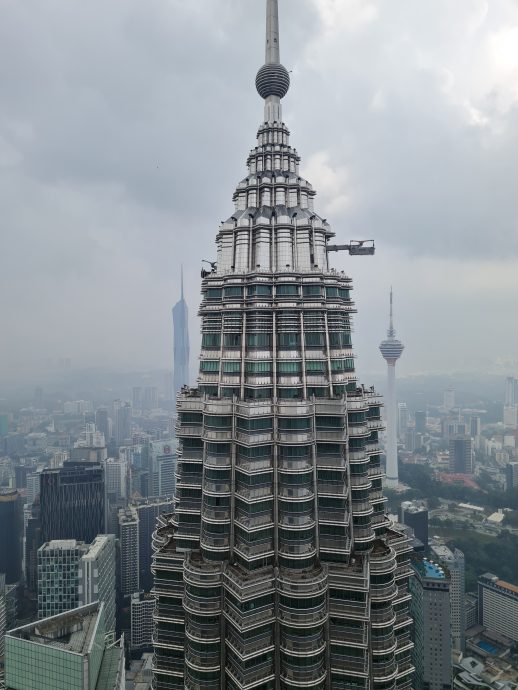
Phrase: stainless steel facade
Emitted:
{"points": [[278, 567]]}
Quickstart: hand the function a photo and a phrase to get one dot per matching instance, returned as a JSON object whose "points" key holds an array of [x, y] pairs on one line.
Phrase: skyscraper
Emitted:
{"points": [[391, 349], [430, 610], [123, 418], [72, 501], [279, 568], [455, 563], [129, 551], [461, 455], [11, 536], [180, 343]]}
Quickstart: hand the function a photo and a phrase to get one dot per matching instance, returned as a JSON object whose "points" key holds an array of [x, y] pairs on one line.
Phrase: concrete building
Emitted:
{"points": [[129, 551], [123, 421], [449, 399], [511, 391], [415, 515], [72, 574], [142, 607], [148, 511], [162, 466], [430, 610], [420, 421], [116, 477], [461, 455], [279, 567], [511, 475], [64, 652], [72, 500], [471, 611], [11, 535], [498, 605], [90, 446], [391, 349], [102, 422], [455, 563]]}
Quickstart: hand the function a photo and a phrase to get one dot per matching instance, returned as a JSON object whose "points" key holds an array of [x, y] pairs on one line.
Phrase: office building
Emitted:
{"points": [[461, 455], [511, 475], [180, 343], [162, 466], [90, 447], [3, 618], [102, 422], [123, 420], [65, 652], [116, 477], [449, 399], [498, 605], [415, 515], [471, 611], [147, 512], [142, 607], [72, 501], [391, 350], [454, 562], [129, 551], [33, 541], [430, 611], [511, 391], [420, 421], [11, 535], [279, 567], [475, 426], [402, 421], [72, 574]]}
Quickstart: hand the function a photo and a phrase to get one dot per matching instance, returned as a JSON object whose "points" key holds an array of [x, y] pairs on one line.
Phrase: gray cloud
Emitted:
{"points": [[125, 127]]}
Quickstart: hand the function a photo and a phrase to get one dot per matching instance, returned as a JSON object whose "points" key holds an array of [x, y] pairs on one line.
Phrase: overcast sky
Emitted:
{"points": [[125, 127]]}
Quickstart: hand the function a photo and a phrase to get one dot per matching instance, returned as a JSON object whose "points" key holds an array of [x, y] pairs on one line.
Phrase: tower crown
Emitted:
{"points": [[391, 348], [272, 80]]}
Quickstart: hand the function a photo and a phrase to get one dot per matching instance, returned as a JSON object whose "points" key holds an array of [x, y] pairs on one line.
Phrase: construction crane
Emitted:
{"points": [[355, 248]]}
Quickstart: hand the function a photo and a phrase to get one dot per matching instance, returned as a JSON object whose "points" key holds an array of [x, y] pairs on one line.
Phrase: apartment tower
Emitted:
{"points": [[278, 569]]}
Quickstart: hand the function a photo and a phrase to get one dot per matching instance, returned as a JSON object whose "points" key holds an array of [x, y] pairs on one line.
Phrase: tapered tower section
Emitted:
{"points": [[391, 350], [279, 568]]}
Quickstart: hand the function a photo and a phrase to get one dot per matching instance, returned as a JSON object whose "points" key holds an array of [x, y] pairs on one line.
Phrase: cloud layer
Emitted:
{"points": [[125, 128]]}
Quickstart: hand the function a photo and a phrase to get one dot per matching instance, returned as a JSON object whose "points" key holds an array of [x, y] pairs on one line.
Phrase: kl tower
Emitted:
{"points": [[391, 349]]}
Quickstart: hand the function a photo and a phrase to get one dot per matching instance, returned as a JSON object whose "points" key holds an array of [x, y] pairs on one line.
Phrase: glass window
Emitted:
{"points": [[287, 290], [218, 421], [230, 392], [259, 290], [290, 393], [315, 367], [264, 368], [258, 393], [209, 366], [233, 367], [233, 291], [312, 290], [332, 292], [339, 339], [233, 340], [346, 364], [318, 392], [289, 368], [258, 424], [288, 341], [344, 293], [214, 293], [314, 339], [211, 340], [259, 340], [294, 423], [330, 422]]}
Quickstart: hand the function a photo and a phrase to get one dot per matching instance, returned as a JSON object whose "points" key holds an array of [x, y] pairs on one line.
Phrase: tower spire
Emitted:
{"points": [[181, 279], [391, 331], [272, 33], [272, 80]]}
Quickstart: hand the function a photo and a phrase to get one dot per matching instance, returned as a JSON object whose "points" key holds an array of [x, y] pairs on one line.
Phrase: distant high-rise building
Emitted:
{"points": [[11, 535], [65, 652], [391, 349], [71, 573], [129, 551], [102, 422], [150, 398], [511, 475], [430, 611], [511, 391], [123, 420], [511, 416], [461, 455], [449, 399], [455, 563], [137, 398], [142, 607], [116, 473], [72, 500], [90, 447], [498, 605], [420, 419], [181, 343], [162, 456], [33, 541], [475, 426], [3, 617], [415, 515], [402, 421], [471, 610]]}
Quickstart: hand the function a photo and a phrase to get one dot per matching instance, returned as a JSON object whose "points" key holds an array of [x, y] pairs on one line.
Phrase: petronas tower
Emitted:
{"points": [[278, 568]]}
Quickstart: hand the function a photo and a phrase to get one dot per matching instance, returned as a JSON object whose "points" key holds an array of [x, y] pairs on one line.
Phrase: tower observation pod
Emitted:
{"points": [[279, 569], [391, 350]]}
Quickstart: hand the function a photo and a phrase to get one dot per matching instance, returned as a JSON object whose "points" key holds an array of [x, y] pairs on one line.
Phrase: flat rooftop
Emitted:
{"points": [[71, 631]]}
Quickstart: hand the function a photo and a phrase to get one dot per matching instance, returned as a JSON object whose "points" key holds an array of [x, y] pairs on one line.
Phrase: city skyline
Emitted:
{"points": [[410, 125]]}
